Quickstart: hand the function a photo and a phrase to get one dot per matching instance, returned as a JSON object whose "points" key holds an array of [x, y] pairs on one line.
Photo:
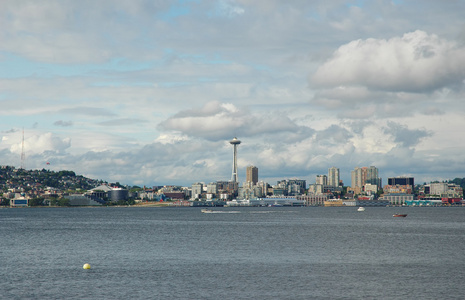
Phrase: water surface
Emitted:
{"points": [[255, 253]]}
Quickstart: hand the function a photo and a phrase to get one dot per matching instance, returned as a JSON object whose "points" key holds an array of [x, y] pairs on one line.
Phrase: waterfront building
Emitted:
{"points": [[105, 192], [333, 176], [398, 199], [19, 202], [333, 203], [443, 189], [267, 201], [313, 199], [118, 194], [101, 191]]}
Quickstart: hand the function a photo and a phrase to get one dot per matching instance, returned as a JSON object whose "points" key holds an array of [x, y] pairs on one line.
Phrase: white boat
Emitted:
{"points": [[361, 209], [210, 211]]}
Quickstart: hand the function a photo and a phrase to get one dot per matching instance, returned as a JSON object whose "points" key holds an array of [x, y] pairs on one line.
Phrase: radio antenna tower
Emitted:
{"points": [[23, 156]]}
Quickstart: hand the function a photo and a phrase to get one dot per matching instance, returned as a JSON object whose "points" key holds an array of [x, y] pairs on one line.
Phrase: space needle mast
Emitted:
{"points": [[234, 142]]}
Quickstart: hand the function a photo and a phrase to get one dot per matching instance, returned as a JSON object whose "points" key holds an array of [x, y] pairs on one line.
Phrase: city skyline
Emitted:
{"points": [[151, 93]]}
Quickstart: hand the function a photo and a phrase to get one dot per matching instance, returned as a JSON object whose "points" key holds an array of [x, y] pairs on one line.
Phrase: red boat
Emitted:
{"points": [[400, 215]]}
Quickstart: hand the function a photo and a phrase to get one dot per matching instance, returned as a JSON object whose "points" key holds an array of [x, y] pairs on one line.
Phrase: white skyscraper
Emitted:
{"points": [[333, 176], [321, 179]]}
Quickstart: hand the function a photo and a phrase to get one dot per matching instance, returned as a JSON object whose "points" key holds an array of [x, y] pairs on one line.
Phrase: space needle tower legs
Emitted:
{"points": [[234, 142]]}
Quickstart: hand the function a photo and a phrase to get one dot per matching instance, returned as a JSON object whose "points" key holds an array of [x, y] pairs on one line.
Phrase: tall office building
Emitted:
{"points": [[333, 176], [197, 189], [361, 176], [252, 175], [322, 179], [372, 176]]}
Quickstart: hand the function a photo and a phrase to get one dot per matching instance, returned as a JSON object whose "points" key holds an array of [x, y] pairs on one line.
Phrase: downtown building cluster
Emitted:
{"points": [[328, 190], [366, 189]]}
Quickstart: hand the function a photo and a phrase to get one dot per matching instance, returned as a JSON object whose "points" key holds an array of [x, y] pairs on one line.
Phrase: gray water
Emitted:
{"points": [[254, 253]]}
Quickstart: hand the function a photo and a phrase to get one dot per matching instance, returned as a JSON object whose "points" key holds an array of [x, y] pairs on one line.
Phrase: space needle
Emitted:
{"points": [[234, 142]]}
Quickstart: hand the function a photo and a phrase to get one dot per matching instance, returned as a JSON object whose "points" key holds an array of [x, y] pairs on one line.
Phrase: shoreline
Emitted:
{"points": [[169, 204]]}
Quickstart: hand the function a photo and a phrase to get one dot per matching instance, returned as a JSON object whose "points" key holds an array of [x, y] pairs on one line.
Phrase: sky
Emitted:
{"points": [[149, 93]]}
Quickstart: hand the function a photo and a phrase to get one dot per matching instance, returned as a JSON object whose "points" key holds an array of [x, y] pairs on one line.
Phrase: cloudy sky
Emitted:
{"points": [[150, 92]]}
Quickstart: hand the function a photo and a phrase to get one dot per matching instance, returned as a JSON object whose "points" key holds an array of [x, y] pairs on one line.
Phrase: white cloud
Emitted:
{"points": [[155, 89], [38, 144], [222, 121], [415, 62]]}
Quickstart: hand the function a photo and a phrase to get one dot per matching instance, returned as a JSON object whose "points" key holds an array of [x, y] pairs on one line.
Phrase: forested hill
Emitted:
{"points": [[459, 181]]}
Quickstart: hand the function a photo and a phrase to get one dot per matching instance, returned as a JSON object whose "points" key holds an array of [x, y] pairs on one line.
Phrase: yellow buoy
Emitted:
{"points": [[86, 266]]}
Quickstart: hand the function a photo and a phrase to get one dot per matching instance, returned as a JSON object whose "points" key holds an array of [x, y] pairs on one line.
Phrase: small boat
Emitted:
{"points": [[361, 209], [400, 215], [206, 211]]}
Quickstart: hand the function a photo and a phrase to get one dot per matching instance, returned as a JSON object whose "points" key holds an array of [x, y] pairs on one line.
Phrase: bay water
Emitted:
{"points": [[233, 253]]}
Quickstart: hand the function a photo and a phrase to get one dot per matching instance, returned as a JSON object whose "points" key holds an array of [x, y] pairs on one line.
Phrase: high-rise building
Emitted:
{"points": [[361, 176], [333, 176], [197, 189], [252, 175], [356, 178], [322, 179], [235, 142], [372, 176], [212, 188]]}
